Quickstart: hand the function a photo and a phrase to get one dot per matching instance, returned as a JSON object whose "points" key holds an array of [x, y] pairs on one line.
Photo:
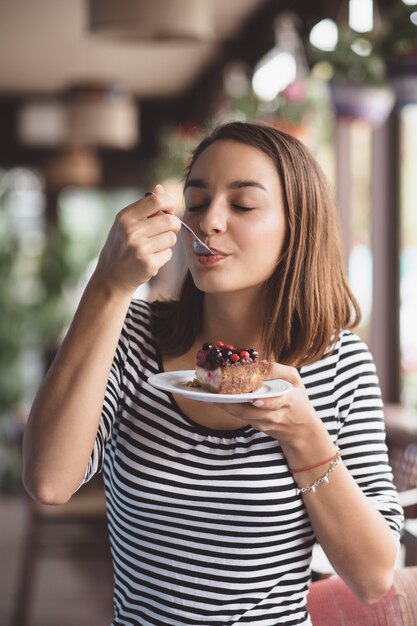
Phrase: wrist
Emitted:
{"points": [[311, 450], [317, 464], [108, 291], [310, 487]]}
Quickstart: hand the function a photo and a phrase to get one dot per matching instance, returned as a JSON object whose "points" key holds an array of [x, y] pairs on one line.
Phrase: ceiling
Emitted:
{"points": [[46, 46]]}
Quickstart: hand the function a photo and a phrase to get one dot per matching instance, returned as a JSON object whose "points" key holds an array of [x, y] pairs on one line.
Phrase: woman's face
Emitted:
{"points": [[233, 202]]}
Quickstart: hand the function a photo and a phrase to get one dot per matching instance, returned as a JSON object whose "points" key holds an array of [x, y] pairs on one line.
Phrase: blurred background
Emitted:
{"points": [[101, 100]]}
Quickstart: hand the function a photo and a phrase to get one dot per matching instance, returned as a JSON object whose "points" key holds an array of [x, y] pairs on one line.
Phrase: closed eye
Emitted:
{"points": [[197, 207], [204, 205], [239, 207]]}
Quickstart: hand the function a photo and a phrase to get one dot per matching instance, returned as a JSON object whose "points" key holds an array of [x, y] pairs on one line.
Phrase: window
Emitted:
{"points": [[408, 259]]}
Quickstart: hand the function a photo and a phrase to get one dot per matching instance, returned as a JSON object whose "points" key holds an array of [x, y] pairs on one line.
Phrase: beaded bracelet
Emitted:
{"points": [[319, 481], [310, 467]]}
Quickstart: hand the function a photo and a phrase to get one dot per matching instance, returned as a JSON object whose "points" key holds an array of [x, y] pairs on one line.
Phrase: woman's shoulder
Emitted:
{"points": [[352, 357], [348, 349], [138, 320], [146, 317], [350, 345], [139, 311]]}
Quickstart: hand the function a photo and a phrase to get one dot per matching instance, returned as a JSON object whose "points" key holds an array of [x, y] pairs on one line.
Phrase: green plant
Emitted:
{"points": [[47, 316], [175, 145], [11, 349], [356, 59], [32, 315], [10, 332], [398, 35], [11, 321]]}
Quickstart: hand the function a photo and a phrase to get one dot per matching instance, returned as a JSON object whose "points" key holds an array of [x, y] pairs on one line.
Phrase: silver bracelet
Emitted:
{"points": [[319, 481]]}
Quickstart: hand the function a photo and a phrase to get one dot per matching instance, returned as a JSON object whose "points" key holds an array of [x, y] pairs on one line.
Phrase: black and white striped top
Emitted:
{"points": [[206, 527]]}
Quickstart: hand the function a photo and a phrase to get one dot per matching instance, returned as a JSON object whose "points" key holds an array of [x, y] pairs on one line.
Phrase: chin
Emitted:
{"points": [[214, 285]]}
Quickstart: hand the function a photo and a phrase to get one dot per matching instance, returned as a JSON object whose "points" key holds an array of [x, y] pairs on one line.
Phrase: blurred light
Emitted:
{"points": [[323, 71], [285, 63], [410, 3], [96, 114], [77, 166], [21, 179], [236, 79], [361, 15], [277, 71], [324, 35], [102, 119], [362, 47], [413, 17], [42, 122]]}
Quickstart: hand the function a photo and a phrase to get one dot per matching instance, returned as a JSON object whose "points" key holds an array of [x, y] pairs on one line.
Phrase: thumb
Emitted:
{"points": [[286, 372], [158, 189]]}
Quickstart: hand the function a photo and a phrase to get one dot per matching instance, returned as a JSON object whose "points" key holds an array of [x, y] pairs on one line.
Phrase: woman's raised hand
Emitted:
{"points": [[139, 243]]}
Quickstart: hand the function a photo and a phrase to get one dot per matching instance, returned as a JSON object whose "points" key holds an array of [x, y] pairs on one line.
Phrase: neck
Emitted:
{"points": [[235, 318]]}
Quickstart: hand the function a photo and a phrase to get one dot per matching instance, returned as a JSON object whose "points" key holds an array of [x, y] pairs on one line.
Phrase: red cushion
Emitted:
{"points": [[331, 603], [405, 585]]}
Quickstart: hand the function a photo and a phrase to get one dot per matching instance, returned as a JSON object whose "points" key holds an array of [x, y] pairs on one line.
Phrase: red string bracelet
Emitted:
{"points": [[309, 467]]}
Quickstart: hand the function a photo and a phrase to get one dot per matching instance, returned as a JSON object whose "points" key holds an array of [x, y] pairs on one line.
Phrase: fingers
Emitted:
{"points": [[152, 203], [150, 217], [286, 372], [266, 420], [259, 409], [151, 226], [288, 417], [140, 241], [153, 263], [143, 246]]}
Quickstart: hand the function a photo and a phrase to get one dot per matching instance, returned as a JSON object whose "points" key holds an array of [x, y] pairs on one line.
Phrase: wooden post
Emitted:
{"points": [[385, 232], [343, 183]]}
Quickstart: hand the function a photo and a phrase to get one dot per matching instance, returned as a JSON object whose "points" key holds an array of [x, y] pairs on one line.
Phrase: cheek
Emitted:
{"points": [[265, 238]]}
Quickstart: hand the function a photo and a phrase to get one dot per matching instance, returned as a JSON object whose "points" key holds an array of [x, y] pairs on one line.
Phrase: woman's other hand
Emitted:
{"points": [[139, 243], [289, 418]]}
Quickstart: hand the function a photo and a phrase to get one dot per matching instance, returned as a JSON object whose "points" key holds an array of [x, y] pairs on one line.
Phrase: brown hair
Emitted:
{"points": [[308, 299]]}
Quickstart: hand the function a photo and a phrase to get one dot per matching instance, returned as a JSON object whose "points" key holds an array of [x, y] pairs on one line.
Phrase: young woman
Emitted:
{"points": [[214, 508]]}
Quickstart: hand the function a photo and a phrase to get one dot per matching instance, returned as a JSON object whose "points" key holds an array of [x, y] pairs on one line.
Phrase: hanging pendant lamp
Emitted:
{"points": [[152, 20]]}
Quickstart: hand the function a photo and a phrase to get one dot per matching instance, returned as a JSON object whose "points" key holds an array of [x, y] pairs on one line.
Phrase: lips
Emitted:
{"points": [[217, 252], [206, 261]]}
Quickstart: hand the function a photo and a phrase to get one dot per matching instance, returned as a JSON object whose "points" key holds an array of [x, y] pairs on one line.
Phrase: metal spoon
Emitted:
{"points": [[200, 248]]}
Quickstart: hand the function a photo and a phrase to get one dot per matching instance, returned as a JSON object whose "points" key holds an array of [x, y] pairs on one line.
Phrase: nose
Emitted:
{"points": [[214, 218]]}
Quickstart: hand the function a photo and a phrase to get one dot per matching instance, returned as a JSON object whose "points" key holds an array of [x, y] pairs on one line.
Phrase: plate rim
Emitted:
{"points": [[209, 396]]}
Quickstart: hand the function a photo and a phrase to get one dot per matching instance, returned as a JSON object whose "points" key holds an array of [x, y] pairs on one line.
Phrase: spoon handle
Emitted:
{"points": [[199, 246]]}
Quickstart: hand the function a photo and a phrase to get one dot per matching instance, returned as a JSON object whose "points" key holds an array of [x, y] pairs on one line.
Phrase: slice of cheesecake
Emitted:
{"points": [[222, 368]]}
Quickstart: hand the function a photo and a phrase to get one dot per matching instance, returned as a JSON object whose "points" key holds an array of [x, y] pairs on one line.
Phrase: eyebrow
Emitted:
{"points": [[237, 184]]}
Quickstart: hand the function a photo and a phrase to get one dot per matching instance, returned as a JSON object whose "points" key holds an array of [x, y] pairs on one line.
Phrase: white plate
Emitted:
{"points": [[176, 382]]}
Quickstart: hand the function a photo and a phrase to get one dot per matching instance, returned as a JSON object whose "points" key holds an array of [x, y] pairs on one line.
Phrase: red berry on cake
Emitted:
{"points": [[221, 368]]}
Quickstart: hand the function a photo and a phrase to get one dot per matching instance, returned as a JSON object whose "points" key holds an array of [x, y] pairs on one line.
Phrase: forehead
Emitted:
{"points": [[234, 160]]}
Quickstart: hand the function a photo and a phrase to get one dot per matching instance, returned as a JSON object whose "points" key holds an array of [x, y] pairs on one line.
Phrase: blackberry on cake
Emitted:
{"points": [[222, 368]]}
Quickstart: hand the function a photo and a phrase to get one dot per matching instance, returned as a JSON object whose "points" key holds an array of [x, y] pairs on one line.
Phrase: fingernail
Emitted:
{"points": [[158, 189], [258, 403]]}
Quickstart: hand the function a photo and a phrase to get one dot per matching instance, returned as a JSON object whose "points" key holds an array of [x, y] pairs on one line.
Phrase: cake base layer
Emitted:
{"points": [[241, 378]]}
